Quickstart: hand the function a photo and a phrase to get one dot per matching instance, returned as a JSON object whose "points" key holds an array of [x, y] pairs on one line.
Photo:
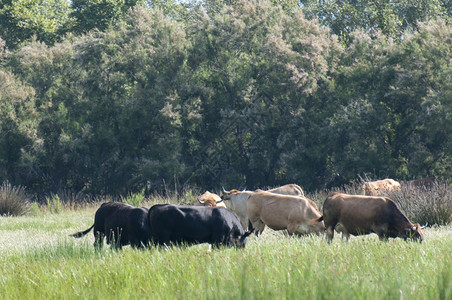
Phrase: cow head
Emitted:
{"points": [[227, 194], [209, 199], [208, 202], [415, 233], [240, 241], [317, 225]]}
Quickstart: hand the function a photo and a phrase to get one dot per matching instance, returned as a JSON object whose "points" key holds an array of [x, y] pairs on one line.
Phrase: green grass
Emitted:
{"points": [[40, 261]]}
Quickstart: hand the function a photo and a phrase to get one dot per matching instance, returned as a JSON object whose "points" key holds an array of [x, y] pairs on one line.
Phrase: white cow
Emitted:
{"points": [[237, 201]]}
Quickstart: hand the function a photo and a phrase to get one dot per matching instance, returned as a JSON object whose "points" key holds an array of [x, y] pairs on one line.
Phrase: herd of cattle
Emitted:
{"points": [[282, 208]]}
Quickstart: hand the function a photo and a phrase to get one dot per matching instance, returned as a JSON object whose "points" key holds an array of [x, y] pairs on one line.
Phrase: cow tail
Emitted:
{"points": [[82, 233]]}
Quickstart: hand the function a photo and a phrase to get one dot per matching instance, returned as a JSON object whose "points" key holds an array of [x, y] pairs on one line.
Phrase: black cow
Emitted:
{"points": [[122, 224], [182, 224]]}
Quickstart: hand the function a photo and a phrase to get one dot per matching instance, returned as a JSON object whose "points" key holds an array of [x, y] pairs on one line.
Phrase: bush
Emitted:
{"points": [[134, 199], [14, 201], [54, 204], [423, 205]]}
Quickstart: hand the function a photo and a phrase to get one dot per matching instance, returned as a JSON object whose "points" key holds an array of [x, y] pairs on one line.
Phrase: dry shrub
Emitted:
{"points": [[14, 201], [426, 205]]}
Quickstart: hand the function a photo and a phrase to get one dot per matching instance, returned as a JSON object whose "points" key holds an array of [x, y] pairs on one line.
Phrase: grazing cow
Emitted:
{"points": [[359, 215], [238, 200], [121, 224], [380, 187], [296, 214], [183, 224], [288, 189], [211, 200]]}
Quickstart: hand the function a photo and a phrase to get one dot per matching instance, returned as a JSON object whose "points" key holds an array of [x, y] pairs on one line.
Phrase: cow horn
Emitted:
{"points": [[422, 227], [224, 191], [202, 202], [243, 190]]}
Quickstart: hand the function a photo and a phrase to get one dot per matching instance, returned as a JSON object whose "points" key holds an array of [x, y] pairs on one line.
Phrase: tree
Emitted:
{"points": [[98, 14], [20, 20], [256, 67], [389, 17], [18, 127]]}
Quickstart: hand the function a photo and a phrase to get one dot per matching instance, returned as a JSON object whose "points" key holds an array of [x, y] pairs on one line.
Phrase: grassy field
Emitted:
{"points": [[40, 261]]}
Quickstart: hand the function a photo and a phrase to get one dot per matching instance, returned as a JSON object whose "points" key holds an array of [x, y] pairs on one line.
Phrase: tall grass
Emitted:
{"points": [[272, 266], [39, 260]]}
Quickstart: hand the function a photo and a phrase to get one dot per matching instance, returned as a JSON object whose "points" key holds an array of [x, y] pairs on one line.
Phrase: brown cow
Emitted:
{"points": [[359, 215], [296, 214], [211, 200], [380, 187]]}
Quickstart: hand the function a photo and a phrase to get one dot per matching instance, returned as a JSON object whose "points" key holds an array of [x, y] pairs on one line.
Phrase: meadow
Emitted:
{"points": [[40, 261]]}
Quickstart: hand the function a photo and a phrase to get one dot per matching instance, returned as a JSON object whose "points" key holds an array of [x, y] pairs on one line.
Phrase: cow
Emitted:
{"points": [[183, 224], [360, 215], [211, 199], [122, 224], [237, 203], [380, 187], [237, 200], [296, 214], [288, 189]]}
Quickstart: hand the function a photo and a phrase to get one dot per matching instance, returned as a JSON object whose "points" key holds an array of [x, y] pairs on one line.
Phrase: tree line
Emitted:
{"points": [[112, 97]]}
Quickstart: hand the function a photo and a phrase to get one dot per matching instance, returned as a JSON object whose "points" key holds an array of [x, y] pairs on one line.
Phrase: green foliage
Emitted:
{"points": [[98, 14], [390, 17], [34, 209], [54, 204], [20, 20], [245, 93], [14, 201], [135, 199]]}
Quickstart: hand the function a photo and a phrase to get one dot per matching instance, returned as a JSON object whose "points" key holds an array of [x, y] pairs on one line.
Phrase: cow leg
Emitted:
{"points": [[98, 239], [345, 235], [381, 232], [292, 228], [329, 233], [259, 227]]}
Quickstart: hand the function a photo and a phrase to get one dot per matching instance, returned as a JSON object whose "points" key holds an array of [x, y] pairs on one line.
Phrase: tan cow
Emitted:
{"points": [[296, 214], [237, 200], [360, 215], [211, 199], [288, 189], [380, 187]]}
